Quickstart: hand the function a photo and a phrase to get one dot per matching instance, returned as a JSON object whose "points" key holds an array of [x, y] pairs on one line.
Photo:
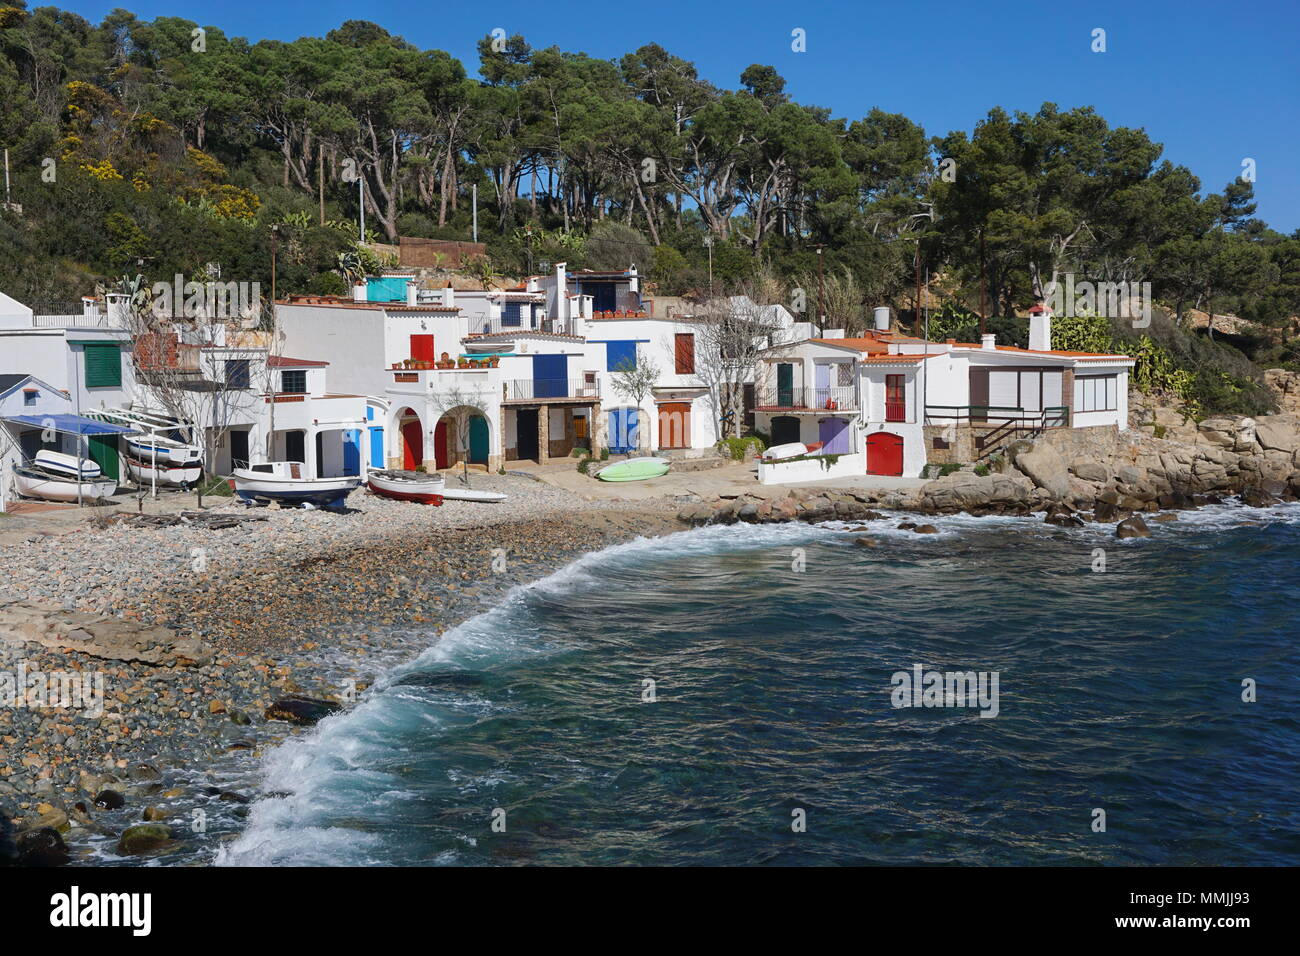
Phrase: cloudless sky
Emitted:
{"points": [[1214, 82]]}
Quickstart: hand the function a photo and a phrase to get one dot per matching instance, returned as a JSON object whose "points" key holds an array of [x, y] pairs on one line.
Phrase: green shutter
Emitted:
{"points": [[103, 449], [103, 366]]}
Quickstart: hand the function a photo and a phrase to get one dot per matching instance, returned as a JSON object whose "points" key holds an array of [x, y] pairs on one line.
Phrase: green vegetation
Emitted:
{"points": [[155, 147], [735, 447]]}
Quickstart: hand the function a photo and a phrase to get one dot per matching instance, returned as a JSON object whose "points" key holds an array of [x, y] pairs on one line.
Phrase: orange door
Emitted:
{"points": [[884, 454], [675, 425]]}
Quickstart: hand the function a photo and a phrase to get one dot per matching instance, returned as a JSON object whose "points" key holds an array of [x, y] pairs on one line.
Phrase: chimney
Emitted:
{"points": [[882, 318], [449, 296], [412, 293], [561, 315], [1040, 328], [988, 341], [359, 292]]}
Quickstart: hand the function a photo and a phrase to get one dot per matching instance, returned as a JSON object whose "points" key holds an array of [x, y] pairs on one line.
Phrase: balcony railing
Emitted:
{"points": [[806, 399], [533, 389], [1054, 416], [488, 326]]}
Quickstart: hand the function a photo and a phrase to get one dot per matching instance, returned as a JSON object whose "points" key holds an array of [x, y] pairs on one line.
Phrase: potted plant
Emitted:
{"points": [[494, 361]]}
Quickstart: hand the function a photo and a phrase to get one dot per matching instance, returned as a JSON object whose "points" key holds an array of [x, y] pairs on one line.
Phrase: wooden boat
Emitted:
{"points": [[165, 451], [53, 477], [181, 476], [283, 481], [789, 450], [407, 486], [634, 469], [469, 494]]}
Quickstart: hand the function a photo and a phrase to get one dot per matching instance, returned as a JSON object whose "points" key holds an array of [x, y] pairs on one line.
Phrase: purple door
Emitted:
{"points": [[834, 436]]}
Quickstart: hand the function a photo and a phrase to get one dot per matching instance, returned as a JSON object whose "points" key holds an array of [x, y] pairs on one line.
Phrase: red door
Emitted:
{"points": [[412, 444], [884, 454], [422, 347], [440, 458]]}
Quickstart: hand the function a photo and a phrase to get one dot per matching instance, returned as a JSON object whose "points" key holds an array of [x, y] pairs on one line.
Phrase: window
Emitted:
{"points": [[895, 398], [30, 395], [237, 373], [510, 313], [619, 354], [103, 365], [843, 374], [684, 353], [1096, 393], [294, 380]]}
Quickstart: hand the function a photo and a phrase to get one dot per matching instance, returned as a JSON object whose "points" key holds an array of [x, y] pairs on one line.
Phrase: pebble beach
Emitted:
{"points": [[306, 604]]}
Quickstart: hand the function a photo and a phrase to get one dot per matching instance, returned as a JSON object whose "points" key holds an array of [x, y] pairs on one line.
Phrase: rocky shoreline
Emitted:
{"points": [[211, 646], [214, 643]]}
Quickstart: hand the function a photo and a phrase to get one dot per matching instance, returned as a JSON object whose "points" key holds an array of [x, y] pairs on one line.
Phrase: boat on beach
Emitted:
{"points": [[634, 469], [165, 451], [471, 494], [54, 476], [789, 450], [284, 481], [407, 485], [181, 476]]}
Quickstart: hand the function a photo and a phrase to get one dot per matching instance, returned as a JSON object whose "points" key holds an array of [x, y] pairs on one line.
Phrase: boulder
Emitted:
{"points": [[1091, 471], [42, 847], [1278, 433], [145, 838], [297, 709], [1045, 466], [966, 491], [925, 529], [1132, 527]]}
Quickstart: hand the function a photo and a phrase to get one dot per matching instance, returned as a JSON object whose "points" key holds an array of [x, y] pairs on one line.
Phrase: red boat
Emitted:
{"points": [[407, 486]]}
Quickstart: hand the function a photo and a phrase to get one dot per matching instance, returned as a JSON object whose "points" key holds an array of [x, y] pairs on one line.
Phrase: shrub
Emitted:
{"points": [[735, 447]]}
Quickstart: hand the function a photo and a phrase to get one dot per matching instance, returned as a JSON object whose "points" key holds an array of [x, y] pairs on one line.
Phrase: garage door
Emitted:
{"points": [[884, 454]]}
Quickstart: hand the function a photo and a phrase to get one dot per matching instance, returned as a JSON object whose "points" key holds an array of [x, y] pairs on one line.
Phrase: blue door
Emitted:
{"points": [[376, 447], [623, 430], [352, 451], [550, 376], [833, 433]]}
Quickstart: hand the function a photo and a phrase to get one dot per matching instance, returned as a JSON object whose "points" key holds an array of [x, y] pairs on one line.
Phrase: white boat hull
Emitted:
{"points": [[179, 476], [164, 452], [32, 485], [469, 494], [320, 492], [426, 489]]}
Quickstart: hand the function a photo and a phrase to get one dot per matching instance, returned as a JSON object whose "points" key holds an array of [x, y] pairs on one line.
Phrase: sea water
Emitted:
{"points": [[728, 696]]}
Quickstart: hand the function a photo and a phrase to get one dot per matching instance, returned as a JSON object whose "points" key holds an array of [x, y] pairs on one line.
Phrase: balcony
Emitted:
{"points": [[837, 399], [548, 389]]}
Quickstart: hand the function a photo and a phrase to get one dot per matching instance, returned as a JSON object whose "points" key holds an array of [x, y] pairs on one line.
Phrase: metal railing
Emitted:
{"points": [[800, 398], [531, 389], [996, 426]]}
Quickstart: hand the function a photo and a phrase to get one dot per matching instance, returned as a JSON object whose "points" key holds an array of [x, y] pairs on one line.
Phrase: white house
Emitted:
{"points": [[892, 403]]}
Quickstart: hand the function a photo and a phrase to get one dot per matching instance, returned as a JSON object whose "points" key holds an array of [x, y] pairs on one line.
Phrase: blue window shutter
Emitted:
{"points": [[510, 313], [618, 354]]}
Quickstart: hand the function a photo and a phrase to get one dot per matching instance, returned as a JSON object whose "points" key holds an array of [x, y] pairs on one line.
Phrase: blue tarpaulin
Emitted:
{"points": [[71, 424]]}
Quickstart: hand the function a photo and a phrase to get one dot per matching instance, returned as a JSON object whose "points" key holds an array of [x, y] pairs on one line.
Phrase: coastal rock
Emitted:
{"points": [[1044, 464], [297, 709], [1132, 527], [964, 490], [145, 838], [925, 529], [1091, 471], [42, 847], [97, 635], [1278, 433], [109, 800]]}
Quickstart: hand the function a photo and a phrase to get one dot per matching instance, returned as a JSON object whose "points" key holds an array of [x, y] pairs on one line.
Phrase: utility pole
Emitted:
{"points": [[474, 187], [983, 288], [361, 200], [821, 294], [320, 178], [7, 197], [275, 242]]}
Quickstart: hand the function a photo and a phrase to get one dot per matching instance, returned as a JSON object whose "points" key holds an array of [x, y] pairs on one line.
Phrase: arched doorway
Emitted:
{"points": [[884, 454]]}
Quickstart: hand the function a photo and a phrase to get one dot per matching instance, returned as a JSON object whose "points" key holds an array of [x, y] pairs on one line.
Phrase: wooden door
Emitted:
{"points": [[833, 433], [412, 444], [884, 454], [785, 386], [440, 457], [675, 425]]}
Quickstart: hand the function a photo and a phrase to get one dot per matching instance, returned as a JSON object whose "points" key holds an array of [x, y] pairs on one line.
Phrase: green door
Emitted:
{"points": [[478, 440], [785, 385], [103, 449]]}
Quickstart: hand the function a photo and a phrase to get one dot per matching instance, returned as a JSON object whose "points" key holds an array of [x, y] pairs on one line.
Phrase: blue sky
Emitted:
{"points": [[1214, 82]]}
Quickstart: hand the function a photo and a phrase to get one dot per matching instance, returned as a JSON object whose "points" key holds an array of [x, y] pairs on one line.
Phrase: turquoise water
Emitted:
{"points": [[1118, 690]]}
